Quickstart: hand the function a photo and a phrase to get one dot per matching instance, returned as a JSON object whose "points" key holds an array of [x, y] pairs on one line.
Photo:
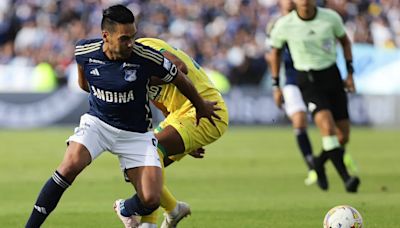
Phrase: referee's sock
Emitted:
{"points": [[336, 157], [47, 200], [305, 146], [335, 152]]}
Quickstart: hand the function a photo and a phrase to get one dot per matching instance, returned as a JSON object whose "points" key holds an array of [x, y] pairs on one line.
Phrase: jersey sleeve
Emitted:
{"points": [[79, 52], [160, 66], [338, 26], [277, 38]]}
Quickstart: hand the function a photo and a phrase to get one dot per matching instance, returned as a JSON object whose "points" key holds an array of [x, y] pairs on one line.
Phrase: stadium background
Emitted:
{"points": [[227, 37], [38, 94]]}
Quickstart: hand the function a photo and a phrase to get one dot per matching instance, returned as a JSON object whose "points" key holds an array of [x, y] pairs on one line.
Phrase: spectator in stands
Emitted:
{"points": [[183, 23]]}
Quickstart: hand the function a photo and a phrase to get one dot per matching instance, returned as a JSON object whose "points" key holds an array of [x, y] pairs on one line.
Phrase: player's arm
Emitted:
{"points": [[340, 33], [203, 107], [168, 72], [160, 107], [175, 60], [277, 43], [346, 45], [82, 80], [274, 60]]}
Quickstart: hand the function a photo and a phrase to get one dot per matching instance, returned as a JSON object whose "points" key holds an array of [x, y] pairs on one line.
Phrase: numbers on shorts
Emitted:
{"points": [[154, 92]]}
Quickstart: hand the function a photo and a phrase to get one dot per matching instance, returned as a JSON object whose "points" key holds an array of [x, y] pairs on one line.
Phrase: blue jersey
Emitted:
{"points": [[290, 72], [118, 89]]}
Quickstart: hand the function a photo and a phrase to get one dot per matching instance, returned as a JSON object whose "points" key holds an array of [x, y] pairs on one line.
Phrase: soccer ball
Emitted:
{"points": [[343, 216]]}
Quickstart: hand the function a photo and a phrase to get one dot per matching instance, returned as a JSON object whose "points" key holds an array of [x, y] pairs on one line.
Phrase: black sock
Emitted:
{"points": [[305, 146], [47, 200], [134, 206], [336, 156], [324, 156]]}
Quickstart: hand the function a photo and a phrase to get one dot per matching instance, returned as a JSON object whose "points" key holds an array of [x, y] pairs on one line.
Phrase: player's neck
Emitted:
{"points": [[307, 13], [285, 12], [110, 55]]}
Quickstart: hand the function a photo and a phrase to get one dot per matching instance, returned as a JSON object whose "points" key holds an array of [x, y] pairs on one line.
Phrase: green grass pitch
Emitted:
{"points": [[251, 177]]}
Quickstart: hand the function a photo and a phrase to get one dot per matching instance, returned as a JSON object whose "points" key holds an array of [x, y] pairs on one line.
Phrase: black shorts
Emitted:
{"points": [[323, 89]]}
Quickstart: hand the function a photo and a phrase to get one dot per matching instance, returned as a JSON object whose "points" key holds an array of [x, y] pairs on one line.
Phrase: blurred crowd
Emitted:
{"points": [[224, 35]]}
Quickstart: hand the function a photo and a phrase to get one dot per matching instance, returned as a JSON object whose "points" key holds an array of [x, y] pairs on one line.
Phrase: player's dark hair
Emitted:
{"points": [[116, 14]]}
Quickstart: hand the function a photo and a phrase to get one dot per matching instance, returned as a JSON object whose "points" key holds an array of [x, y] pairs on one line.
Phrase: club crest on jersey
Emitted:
{"points": [[130, 75]]}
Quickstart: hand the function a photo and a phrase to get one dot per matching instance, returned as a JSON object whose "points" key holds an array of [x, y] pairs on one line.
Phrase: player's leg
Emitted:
{"points": [[343, 132], [138, 157], [171, 143], [150, 221], [299, 123], [339, 111], [147, 181], [84, 146], [330, 143], [296, 110], [76, 158], [324, 121]]}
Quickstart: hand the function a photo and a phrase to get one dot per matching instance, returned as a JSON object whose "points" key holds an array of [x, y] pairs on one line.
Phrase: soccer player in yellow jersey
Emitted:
{"points": [[180, 134]]}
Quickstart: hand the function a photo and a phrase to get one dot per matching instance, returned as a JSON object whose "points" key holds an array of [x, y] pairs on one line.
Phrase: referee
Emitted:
{"points": [[311, 33]]}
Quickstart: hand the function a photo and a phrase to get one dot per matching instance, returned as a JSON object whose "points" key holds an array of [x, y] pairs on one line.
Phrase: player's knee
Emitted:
{"points": [[151, 201], [70, 169], [343, 139]]}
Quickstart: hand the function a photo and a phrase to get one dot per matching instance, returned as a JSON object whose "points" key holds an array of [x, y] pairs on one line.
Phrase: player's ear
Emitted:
{"points": [[105, 35]]}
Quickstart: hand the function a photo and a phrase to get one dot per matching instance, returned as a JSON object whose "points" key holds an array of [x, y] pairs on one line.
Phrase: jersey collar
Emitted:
{"points": [[308, 19]]}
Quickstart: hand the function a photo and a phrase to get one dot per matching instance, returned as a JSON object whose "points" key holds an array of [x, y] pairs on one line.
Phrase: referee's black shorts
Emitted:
{"points": [[323, 89]]}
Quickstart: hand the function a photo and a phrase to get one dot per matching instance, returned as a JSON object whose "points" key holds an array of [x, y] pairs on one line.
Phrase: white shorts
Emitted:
{"points": [[293, 100], [133, 149]]}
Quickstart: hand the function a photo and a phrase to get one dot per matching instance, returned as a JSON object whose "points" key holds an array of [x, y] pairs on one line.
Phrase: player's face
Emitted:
{"points": [[305, 4], [122, 40]]}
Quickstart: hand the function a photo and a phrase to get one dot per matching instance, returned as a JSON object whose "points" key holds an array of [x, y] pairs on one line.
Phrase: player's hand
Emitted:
{"points": [[278, 97], [207, 110], [199, 153], [349, 85]]}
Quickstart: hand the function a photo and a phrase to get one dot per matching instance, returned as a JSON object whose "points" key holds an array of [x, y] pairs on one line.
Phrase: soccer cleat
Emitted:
{"points": [[312, 177], [129, 222], [172, 219], [352, 184], [320, 170]]}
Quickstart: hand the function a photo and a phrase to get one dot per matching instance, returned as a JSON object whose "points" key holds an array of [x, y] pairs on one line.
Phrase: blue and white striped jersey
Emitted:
{"points": [[118, 89]]}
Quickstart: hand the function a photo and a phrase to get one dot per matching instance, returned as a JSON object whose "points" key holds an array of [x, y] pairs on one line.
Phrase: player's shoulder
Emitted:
{"points": [[270, 25], [147, 53], [87, 46], [286, 19], [328, 13], [155, 43]]}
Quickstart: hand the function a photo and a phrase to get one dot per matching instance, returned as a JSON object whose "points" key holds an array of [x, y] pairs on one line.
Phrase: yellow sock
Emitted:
{"points": [[152, 218], [168, 201]]}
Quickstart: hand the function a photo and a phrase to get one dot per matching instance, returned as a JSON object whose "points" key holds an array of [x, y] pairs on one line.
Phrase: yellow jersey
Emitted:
{"points": [[168, 95]]}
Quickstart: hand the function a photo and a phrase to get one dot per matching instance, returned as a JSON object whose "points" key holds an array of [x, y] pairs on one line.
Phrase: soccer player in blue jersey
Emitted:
{"points": [[116, 71], [291, 100]]}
